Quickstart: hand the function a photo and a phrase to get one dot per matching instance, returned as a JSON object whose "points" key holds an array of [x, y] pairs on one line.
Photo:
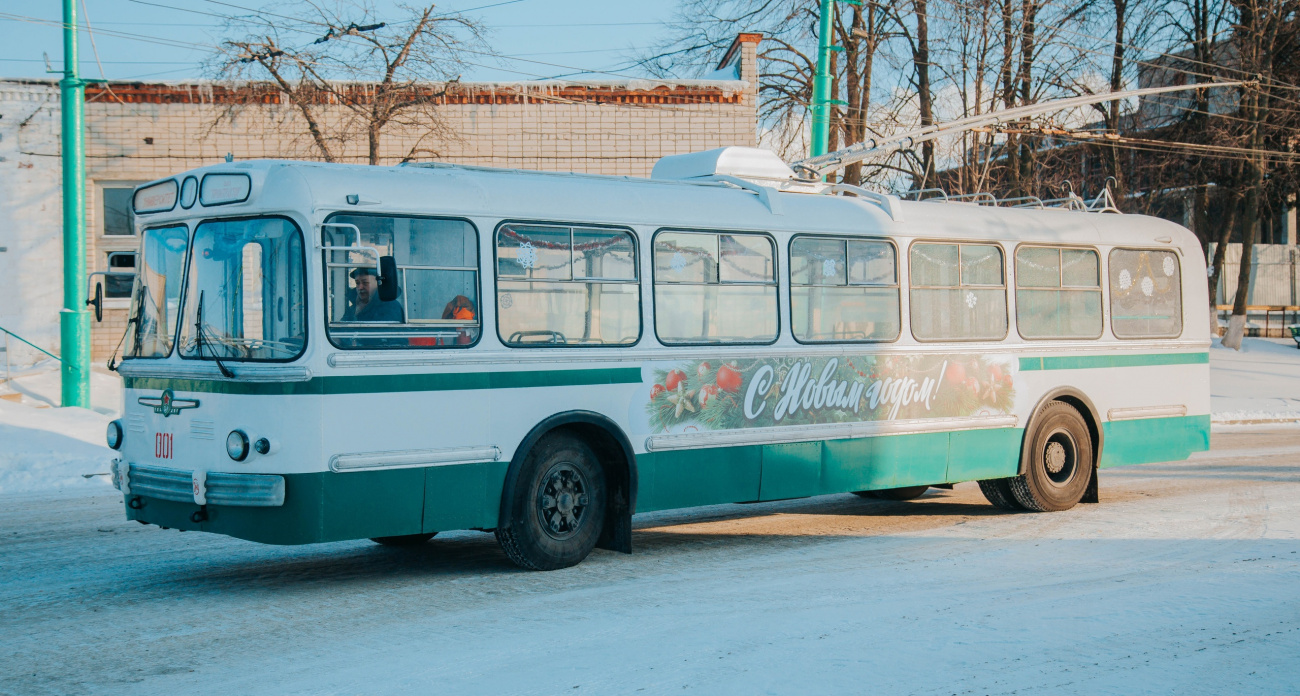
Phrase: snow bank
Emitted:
{"points": [[1258, 384], [44, 448], [51, 449]]}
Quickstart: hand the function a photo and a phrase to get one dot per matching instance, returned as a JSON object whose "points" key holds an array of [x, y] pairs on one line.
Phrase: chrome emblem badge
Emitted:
{"points": [[167, 404]]}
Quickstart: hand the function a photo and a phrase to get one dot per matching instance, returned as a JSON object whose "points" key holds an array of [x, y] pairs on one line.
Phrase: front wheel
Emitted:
{"points": [[558, 508], [1060, 461]]}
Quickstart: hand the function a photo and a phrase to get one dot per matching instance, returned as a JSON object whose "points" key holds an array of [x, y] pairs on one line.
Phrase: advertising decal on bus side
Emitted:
{"points": [[764, 392]]}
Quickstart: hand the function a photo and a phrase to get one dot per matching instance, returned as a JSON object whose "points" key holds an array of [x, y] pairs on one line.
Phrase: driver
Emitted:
{"points": [[368, 306]]}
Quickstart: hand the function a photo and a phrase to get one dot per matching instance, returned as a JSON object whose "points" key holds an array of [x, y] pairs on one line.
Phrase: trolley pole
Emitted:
{"points": [[821, 117], [74, 320]]}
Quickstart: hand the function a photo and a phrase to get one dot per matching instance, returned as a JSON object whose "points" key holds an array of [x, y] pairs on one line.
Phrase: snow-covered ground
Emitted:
{"points": [[1259, 383], [48, 449]]}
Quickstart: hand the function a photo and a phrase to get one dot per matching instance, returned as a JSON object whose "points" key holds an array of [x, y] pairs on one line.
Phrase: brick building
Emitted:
{"points": [[136, 132]]}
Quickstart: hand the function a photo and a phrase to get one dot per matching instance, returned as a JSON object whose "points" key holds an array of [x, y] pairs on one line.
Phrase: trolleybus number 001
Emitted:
{"points": [[162, 445]]}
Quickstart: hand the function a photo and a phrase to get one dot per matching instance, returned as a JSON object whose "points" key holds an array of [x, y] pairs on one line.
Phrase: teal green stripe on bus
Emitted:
{"points": [[371, 384], [1083, 362]]}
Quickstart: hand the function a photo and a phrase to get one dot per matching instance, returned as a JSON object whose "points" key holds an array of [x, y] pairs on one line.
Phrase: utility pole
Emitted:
{"points": [[821, 99], [74, 320]]}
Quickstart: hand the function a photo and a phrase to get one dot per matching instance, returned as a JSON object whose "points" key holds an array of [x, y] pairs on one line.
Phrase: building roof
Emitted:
{"points": [[618, 91]]}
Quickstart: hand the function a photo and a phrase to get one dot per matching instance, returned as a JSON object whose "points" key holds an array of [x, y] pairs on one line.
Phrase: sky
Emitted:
{"points": [[167, 40]]}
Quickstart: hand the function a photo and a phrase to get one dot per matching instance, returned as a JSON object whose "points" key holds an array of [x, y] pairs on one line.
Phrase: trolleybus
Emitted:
{"points": [[320, 352]]}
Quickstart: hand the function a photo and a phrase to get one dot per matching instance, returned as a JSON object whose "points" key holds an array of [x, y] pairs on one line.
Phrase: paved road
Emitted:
{"points": [[1186, 579]]}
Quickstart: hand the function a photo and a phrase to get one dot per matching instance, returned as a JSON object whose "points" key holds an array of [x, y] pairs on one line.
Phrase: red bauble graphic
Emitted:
{"points": [[703, 369], [675, 377], [729, 378], [955, 373], [995, 373], [656, 390]]}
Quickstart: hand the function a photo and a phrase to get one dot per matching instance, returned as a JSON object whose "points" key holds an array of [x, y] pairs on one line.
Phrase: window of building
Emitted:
{"points": [[1146, 294], [560, 285], [1058, 293], [715, 288], [437, 301], [121, 274], [116, 211], [958, 292], [843, 290]]}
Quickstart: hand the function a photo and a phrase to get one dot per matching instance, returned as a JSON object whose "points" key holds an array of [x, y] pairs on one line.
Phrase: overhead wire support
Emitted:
{"points": [[816, 167]]}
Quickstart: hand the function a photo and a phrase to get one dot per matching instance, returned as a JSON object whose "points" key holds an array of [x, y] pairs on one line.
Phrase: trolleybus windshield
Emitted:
{"points": [[244, 291]]}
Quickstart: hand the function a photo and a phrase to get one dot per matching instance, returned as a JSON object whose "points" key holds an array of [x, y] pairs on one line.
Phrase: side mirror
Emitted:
{"points": [[98, 302], [387, 279]]}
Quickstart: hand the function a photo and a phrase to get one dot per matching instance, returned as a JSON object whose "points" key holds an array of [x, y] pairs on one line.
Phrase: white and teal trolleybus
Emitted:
{"points": [[320, 352]]}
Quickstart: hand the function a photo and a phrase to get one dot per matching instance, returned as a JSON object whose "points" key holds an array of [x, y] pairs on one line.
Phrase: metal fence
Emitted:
{"points": [[1272, 276]]}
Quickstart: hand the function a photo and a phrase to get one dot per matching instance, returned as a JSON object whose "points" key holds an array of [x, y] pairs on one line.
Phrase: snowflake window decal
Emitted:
{"points": [[971, 300], [1148, 286], [526, 254], [828, 268], [1168, 266], [1125, 279], [678, 262]]}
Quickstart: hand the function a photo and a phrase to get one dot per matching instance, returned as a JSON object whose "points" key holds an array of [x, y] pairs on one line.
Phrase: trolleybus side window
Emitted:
{"points": [[1146, 293], [156, 297], [1058, 292], [560, 285], [244, 294], [715, 288], [843, 289], [958, 292], [437, 303]]}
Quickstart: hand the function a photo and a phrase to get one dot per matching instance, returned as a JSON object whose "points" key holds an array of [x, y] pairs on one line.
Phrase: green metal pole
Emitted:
{"points": [[821, 117], [74, 320]]}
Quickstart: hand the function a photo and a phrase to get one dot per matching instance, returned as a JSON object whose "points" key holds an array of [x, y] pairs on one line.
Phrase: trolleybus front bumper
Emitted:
{"points": [[199, 487]]}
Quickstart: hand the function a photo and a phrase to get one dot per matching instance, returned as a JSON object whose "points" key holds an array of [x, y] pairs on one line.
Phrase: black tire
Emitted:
{"points": [[407, 540], [904, 493], [558, 509], [998, 492], [1060, 461]]}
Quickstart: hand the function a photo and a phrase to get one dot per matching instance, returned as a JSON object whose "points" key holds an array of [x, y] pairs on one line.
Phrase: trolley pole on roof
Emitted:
{"points": [[74, 320], [821, 97]]}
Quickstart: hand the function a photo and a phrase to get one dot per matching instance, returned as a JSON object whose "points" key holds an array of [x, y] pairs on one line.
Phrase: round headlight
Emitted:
{"points": [[237, 445], [115, 434]]}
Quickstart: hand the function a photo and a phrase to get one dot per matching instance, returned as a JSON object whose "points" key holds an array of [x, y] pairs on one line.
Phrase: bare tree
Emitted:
{"points": [[350, 75]]}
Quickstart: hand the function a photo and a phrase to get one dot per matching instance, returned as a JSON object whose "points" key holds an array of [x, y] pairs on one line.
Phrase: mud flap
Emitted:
{"points": [[617, 532], [1090, 494]]}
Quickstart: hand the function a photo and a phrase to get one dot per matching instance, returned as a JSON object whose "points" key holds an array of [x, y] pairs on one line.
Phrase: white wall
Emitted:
{"points": [[31, 268]]}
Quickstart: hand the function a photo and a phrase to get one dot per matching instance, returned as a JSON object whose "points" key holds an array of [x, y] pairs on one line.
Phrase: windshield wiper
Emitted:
{"points": [[133, 319], [198, 341]]}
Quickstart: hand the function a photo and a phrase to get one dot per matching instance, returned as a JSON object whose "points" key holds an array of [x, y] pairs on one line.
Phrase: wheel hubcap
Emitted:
{"points": [[1060, 458], [1055, 457], [562, 501]]}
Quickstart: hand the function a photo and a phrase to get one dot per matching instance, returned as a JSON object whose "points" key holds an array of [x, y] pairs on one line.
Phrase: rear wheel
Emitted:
{"points": [[998, 492], [559, 505], [1060, 461], [404, 540], [904, 493]]}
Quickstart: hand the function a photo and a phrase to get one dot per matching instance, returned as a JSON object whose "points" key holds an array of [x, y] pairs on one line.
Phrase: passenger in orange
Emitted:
{"points": [[460, 307]]}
